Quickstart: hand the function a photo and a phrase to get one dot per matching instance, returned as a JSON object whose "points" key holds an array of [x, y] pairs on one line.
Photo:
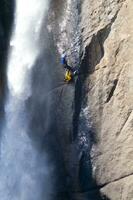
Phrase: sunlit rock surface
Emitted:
{"points": [[107, 34]]}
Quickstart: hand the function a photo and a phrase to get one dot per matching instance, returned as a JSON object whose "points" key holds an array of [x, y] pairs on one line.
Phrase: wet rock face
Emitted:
{"points": [[107, 34], [63, 21], [50, 106], [61, 105]]}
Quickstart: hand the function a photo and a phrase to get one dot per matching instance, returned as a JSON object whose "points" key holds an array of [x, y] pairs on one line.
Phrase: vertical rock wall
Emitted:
{"points": [[51, 104], [107, 67], [63, 24]]}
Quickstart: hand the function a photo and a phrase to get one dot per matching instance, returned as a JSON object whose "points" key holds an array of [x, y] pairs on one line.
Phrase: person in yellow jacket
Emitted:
{"points": [[69, 71], [68, 76]]}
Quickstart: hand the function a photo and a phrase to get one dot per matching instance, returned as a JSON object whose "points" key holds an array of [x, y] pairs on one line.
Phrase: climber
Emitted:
{"points": [[70, 71], [64, 62]]}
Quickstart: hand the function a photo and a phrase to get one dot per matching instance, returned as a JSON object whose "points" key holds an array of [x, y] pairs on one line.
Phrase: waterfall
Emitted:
{"points": [[24, 172]]}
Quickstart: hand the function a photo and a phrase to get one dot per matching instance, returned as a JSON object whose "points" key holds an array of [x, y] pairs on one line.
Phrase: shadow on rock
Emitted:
{"points": [[84, 136], [7, 8]]}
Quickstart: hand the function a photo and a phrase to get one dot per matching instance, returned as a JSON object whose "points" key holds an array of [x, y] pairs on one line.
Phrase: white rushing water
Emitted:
{"points": [[29, 16], [24, 173]]}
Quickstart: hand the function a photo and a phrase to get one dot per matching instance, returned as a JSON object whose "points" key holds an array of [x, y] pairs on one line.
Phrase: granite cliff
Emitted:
{"points": [[86, 126], [107, 43]]}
